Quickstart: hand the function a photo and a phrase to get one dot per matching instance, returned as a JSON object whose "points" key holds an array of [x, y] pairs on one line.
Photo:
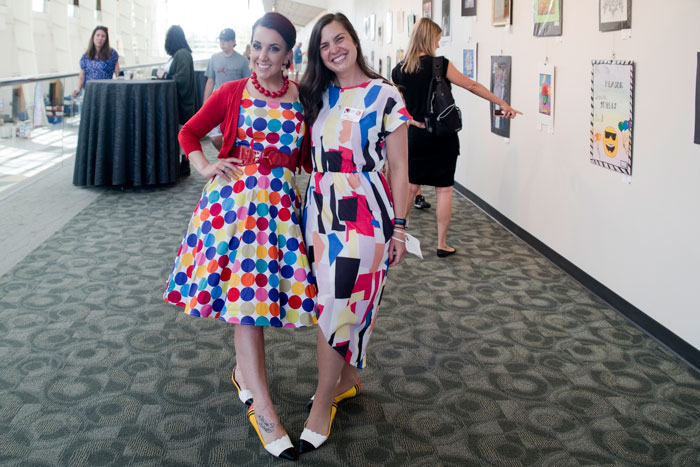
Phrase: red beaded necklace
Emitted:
{"points": [[262, 90]]}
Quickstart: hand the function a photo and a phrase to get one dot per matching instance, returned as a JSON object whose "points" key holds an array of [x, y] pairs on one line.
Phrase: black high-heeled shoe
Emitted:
{"points": [[310, 440], [243, 394], [281, 447]]}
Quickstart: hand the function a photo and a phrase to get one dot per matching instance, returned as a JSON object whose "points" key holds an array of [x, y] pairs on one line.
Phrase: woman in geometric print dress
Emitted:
{"points": [[353, 229], [243, 259]]}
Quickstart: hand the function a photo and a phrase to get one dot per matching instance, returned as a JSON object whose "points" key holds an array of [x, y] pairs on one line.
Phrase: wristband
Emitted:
{"points": [[398, 222]]}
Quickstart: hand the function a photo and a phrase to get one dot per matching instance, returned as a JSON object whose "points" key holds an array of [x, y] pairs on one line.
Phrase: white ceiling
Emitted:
{"points": [[299, 12]]}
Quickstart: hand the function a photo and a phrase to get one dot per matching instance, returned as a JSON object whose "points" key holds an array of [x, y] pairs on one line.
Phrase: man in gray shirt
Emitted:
{"points": [[227, 65]]}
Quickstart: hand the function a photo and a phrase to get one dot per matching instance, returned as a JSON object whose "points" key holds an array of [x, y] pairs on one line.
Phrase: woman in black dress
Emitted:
{"points": [[432, 160]]}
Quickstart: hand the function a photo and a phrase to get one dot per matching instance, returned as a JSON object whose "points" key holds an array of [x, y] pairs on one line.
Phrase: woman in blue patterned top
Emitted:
{"points": [[100, 61]]}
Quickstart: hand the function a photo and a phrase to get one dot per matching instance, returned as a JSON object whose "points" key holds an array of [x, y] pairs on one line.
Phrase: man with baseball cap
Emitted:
{"points": [[227, 65]]}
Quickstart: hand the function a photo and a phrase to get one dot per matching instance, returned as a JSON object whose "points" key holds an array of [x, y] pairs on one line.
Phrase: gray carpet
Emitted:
{"points": [[490, 357]]}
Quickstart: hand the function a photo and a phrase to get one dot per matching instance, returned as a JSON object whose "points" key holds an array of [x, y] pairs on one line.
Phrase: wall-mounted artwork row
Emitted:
{"points": [[612, 112], [547, 18], [500, 86], [468, 7], [614, 15]]}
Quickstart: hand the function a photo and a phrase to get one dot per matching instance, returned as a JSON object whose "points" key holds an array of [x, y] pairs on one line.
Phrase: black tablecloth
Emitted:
{"points": [[128, 133]]}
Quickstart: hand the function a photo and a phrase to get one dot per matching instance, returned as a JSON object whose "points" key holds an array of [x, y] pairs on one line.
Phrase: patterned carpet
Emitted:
{"points": [[490, 357]]}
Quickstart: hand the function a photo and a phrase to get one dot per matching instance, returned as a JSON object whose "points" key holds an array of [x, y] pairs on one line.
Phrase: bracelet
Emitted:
{"points": [[398, 239], [398, 222]]}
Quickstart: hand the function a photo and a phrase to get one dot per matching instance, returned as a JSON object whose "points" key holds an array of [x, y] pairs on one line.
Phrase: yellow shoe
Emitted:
{"points": [[350, 393], [310, 440], [281, 447], [243, 394]]}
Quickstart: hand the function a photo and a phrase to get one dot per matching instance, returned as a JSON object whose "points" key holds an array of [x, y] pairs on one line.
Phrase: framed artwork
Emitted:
{"points": [[381, 70], [697, 102], [612, 105], [389, 26], [428, 9], [500, 86], [446, 18], [547, 18], [500, 13], [399, 55], [372, 29], [388, 68], [469, 64], [614, 15], [366, 27], [410, 21], [545, 96], [468, 7]]}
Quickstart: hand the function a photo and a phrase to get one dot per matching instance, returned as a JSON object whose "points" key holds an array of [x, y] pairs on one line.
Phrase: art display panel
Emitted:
{"points": [[446, 31], [545, 97], [500, 86], [427, 9], [547, 18], [469, 64], [468, 7], [500, 12], [612, 108], [614, 15]]}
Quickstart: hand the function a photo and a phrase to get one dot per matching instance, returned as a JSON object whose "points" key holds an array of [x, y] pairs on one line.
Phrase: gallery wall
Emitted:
{"points": [[639, 236]]}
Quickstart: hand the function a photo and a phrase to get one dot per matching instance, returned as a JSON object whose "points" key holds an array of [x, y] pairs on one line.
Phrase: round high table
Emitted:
{"points": [[128, 134]]}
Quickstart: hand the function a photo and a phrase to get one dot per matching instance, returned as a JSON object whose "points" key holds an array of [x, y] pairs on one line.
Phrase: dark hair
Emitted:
{"points": [[175, 40], [279, 23], [317, 77], [105, 52]]}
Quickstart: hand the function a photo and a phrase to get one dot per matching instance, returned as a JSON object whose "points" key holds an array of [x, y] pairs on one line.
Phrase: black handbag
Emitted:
{"points": [[442, 116]]}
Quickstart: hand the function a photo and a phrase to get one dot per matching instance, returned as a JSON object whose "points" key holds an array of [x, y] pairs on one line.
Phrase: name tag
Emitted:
{"points": [[354, 115]]}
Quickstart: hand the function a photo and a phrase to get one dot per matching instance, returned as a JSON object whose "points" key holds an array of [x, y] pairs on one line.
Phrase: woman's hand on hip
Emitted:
{"points": [[225, 168]]}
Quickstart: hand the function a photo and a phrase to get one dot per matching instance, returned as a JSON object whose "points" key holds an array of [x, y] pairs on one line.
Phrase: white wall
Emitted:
{"points": [[642, 240]]}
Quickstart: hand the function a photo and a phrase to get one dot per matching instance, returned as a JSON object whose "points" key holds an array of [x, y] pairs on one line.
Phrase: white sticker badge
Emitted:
{"points": [[351, 114]]}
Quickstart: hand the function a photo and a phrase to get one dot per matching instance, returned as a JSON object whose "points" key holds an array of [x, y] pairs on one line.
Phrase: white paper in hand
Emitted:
{"points": [[413, 245]]}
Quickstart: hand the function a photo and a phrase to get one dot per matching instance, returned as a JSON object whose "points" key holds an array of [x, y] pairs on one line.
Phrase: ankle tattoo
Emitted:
{"points": [[265, 425]]}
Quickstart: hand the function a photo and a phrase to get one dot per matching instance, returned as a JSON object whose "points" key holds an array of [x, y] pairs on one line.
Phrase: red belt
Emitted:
{"points": [[270, 157]]}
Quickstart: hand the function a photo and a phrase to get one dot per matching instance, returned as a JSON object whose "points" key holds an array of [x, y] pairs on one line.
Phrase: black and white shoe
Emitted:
{"points": [[421, 203]]}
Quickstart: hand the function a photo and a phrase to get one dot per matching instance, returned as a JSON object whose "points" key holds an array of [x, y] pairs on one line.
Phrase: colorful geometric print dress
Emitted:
{"points": [[348, 217], [243, 259]]}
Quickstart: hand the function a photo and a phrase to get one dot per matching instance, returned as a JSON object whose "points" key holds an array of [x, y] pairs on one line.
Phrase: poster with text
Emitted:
{"points": [[545, 97], [547, 15], [468, 7], [612, 106], [500, 86], [470, 61]]}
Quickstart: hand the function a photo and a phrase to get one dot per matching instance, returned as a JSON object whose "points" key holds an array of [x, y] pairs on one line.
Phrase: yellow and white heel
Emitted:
{"points": [[243, 394], [281, 447], [350, 393], [310, 440]]}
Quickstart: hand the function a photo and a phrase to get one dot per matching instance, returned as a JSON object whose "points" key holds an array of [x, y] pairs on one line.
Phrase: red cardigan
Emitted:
{"points": [[223, 107]]}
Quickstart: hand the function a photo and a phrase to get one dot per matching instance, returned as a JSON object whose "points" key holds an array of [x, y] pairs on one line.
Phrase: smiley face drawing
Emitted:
{"points": [[610, 142]]}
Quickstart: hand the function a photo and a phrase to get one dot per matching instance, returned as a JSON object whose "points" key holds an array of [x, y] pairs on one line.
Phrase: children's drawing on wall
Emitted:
{"points": [[428, 9], [500, 86], [399, 55], [545, 98], [468, 7], [614, 15], [547, 18], [612, 114], [469, 64]]}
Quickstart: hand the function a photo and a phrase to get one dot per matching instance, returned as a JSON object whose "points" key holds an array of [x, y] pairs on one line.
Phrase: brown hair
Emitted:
{"points": [[422, 43], [105, 52], [279, 23], [317, 77]]}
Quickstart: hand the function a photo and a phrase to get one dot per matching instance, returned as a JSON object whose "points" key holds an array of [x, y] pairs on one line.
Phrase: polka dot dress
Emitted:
{"points": [[243, 259]]}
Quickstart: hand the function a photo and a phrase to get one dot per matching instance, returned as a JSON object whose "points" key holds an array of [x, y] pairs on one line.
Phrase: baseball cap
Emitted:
{"points": [[227, 34]]}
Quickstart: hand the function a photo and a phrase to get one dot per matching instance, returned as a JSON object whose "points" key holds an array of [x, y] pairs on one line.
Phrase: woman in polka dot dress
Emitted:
{"points": [[243, 259]]}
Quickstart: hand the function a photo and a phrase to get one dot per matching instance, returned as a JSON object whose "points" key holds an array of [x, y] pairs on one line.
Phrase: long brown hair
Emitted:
{"points": [[422, 43], [317, 77], [105, 52]]}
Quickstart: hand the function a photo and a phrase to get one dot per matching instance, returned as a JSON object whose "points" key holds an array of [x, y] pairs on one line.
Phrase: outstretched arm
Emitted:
{"points": [[472, 86]]}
